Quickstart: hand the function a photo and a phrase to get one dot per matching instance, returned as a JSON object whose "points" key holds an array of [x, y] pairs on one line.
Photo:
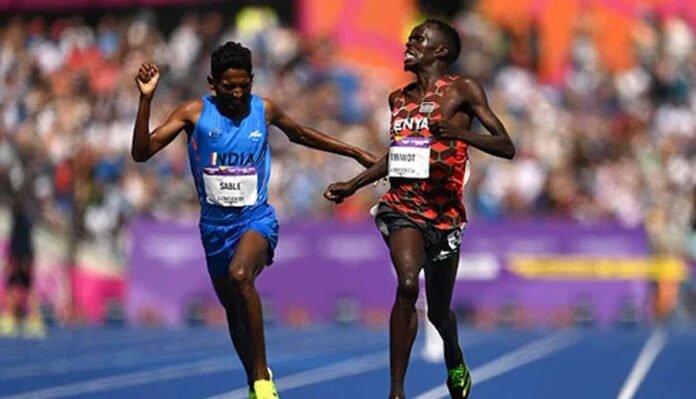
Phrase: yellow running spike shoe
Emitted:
{"points": [[265, 389], [252, 394]]}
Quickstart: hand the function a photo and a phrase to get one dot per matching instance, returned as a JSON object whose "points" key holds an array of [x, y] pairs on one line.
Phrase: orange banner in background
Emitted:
{"points": [[612, 23], [372, 33], [366, 33], [556, 35]]}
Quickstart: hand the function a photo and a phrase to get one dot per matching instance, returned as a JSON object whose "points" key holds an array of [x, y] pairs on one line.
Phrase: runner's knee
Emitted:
{"points": [[408, 287], [241, 276]]}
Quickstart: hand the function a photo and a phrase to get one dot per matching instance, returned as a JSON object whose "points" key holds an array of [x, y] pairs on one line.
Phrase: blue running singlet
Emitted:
{"points": [[231, 167]]}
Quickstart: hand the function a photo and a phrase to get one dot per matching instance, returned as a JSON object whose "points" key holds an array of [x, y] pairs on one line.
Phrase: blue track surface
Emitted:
{"points": [[347, 362]]}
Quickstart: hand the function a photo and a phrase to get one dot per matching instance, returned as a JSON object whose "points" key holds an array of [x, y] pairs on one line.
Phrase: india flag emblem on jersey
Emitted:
{"points": [[213, 158]]}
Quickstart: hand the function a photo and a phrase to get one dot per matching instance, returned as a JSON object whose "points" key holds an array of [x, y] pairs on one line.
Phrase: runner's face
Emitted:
{"points": [[233, 89], [420, 47]]}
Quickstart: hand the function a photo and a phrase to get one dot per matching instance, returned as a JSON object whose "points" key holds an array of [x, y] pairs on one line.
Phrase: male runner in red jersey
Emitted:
{"points": [[422, 215]]}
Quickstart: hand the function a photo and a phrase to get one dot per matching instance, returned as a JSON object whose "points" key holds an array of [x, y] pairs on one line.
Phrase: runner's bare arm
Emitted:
{"points": [[146, 144], [337, 192], [498, 143], [311, 138]]}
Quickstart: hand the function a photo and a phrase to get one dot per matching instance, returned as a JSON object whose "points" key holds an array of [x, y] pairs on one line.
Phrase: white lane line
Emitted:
{"points": [[129, 358], [107, 360], [512, 360], [652, 348], [66, 343], [131, 379], [346, 368], [352, 366], [168, 373]]}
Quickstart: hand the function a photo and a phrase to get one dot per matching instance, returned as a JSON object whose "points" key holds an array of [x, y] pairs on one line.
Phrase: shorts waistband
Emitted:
{"points": [[234, 220]]}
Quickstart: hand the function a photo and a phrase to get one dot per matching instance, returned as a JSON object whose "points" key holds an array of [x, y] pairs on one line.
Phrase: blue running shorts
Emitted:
{"points": [[221, 237]]}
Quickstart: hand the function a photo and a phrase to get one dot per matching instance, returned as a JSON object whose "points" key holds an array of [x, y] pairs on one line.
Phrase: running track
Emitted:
{"points": [[348, 362]]}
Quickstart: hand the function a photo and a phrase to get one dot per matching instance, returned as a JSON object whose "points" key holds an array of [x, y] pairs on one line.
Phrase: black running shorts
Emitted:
{"points": [[439, 244]]}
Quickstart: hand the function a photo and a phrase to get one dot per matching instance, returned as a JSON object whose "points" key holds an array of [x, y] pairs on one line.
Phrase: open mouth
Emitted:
{"points": [[233, 104], [409, 56]]}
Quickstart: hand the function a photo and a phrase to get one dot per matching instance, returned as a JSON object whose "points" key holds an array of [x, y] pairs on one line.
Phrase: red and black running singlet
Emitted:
{"points": [[434, 196]]}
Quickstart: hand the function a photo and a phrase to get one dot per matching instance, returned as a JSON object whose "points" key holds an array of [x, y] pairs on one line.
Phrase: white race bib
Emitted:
{"points": [[230, 185], [410, 158]]}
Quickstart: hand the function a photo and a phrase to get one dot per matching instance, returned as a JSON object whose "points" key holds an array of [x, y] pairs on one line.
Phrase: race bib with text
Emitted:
{"points": [[231, 186], [410, 158]]}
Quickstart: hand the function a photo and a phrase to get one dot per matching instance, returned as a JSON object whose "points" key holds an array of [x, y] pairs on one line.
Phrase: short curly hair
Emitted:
{"points": [[452, 40], [231, 55]]}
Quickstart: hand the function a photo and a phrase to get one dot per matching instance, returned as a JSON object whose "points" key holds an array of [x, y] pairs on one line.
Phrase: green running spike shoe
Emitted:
{"points": [[459, 382]]}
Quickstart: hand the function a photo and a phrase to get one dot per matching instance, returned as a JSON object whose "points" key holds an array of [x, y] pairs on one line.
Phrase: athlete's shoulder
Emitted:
{"points": [[267, 102], [399, 92], [272, 110], [465, 85], [393, 95], [190, 110], [193, 105]]}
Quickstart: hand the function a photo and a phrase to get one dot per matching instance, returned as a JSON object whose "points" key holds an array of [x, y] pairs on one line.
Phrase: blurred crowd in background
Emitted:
{"points": [[598, 146]]}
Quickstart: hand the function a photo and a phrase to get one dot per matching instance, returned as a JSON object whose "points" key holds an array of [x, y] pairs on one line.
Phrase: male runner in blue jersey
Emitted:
{"points": [[231, 165]]}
